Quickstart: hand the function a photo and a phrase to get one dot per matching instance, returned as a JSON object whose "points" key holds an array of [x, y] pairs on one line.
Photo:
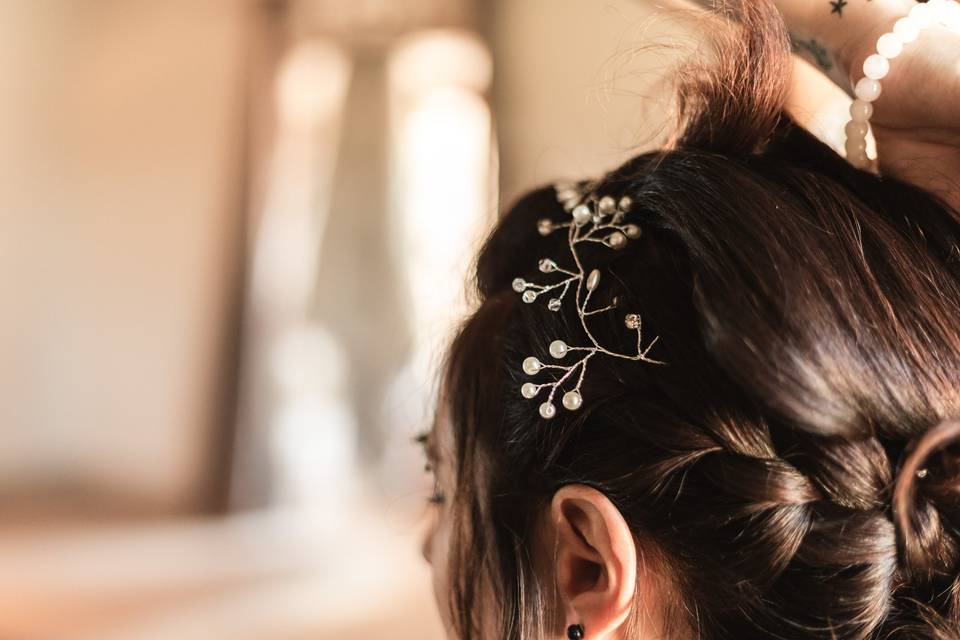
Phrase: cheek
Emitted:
{"points": [[436, 550], [429, 533]]}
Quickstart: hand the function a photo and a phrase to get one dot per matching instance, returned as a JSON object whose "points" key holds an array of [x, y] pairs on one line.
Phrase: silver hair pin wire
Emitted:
{"points": [[592, 221]]}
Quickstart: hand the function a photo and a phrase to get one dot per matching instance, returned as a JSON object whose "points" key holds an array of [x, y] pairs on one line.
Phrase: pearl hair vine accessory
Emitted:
{"points": [[877, 66], [593, 220]]}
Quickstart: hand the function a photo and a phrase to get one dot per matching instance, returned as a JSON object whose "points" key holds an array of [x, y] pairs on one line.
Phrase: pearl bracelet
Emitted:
{"points": [[877, 66]]}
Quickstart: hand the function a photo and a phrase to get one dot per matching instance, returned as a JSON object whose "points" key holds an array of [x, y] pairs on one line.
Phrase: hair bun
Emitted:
{"points": [[926, 502], [733, 103]]}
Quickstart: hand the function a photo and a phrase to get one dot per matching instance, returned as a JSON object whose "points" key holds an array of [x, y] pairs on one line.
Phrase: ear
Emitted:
{"points": [[596, 560]]}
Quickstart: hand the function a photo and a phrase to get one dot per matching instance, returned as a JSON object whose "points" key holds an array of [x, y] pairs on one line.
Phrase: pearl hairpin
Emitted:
{"points": [[877, 66], [593, 220]]}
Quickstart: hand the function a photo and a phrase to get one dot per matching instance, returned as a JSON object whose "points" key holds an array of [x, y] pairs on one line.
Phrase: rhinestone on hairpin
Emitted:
{"points": [[597, 220]]}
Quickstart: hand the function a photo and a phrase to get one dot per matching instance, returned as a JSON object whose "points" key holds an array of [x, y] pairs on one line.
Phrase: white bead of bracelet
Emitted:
{"points": [[877, 66]]}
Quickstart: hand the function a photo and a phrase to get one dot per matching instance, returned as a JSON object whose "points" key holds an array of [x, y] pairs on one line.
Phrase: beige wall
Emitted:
{"points": [[119, 122], [574, 94]]}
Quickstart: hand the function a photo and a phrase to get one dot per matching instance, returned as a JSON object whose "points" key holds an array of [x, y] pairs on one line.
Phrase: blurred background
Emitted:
{"points": [[234, 236]]}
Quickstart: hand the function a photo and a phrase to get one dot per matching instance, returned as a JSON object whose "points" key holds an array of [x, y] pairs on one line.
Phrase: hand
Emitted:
{"points": [[916, 119]]}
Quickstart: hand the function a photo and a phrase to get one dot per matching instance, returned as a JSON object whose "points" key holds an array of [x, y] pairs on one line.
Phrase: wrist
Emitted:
{"points": [[857, 39], [904, 30]]}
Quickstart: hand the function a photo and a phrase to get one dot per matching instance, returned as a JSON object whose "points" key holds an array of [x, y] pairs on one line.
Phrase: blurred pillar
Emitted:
{"points": [[358, 293], [309, 92], [340, 298]]}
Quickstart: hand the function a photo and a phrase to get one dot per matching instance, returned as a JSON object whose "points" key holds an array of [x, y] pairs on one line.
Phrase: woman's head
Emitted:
{"points": [[783, 475]]}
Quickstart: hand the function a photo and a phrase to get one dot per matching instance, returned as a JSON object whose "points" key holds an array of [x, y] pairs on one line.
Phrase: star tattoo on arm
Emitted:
{"points": [[815, 51], [837, 7]]}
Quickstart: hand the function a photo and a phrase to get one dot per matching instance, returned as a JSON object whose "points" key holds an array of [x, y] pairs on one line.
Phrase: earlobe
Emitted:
{"points": [[596, 560]]}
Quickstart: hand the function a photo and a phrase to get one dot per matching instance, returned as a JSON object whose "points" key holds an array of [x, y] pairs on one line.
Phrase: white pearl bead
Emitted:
{"points": [[617, 240], [581, 215], [876, 67], [951, 16], [606, 206], [558, 349], [547, 265], [856, 146], [572, 400], [935, 9], [547, 410], [921, 16], [906, 29], [554, 304], [593, 280], [519, 284], [529, 296], [529, 390], [632, 321], [632, 231], [544, 226], [856, 129], [867, 89], [625, 203], [859, 160], [861, 110], [856, 152], [945, 12], [531, 366], [889, 45]]}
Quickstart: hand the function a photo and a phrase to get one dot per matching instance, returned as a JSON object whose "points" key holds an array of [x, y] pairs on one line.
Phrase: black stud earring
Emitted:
{"points": [[575, 632]]}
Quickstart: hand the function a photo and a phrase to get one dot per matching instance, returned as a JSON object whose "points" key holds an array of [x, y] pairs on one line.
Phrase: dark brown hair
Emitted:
{"points": [[794, 465]]}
